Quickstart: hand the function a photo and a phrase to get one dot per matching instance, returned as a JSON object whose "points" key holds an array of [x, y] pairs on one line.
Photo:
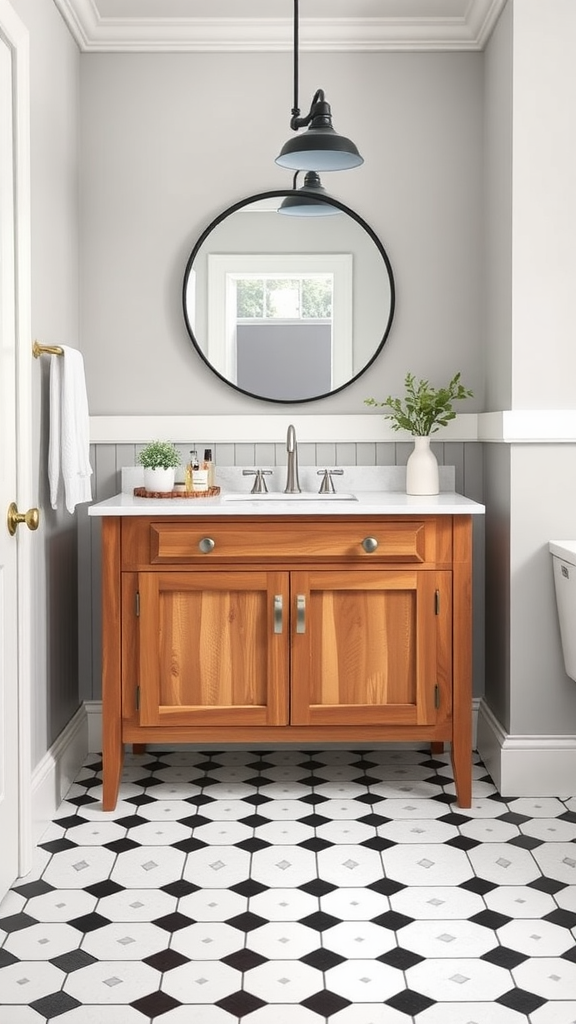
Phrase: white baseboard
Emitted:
{"points": [[532, 765], [56, 772]]}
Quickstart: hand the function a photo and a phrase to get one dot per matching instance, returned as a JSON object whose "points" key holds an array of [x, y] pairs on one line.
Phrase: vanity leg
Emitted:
{"points": [[138, 748], [112, 746], [437, 747]]}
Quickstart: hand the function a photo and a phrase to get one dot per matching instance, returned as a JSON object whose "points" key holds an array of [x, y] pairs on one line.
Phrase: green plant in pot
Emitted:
{"points": [[422, 411], [159, 459]]}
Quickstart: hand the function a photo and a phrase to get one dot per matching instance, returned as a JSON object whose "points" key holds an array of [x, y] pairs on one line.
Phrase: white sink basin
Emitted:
{"points": [[281, 496]]}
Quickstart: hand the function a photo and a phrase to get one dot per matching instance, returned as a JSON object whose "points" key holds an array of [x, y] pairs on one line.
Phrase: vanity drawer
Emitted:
{"points": [[383, 539]]}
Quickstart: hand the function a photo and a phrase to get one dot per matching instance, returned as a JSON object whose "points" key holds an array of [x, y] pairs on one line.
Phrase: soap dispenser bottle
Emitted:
{"points": [[208, 465], [191, 466]]}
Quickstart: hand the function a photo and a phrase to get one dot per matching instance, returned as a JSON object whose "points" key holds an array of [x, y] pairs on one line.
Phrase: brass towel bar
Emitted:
{"points": [[46, 350]]}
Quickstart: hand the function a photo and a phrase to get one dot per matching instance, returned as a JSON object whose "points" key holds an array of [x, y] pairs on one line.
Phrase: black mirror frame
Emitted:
{"points": [[279, 194]]}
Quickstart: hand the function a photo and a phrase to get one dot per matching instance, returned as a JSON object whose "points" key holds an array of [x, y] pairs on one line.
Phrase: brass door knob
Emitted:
{"points": [[14, 518]]}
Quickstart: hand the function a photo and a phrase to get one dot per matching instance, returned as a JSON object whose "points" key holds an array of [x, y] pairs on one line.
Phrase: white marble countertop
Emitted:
{"points": [[367, 503]]}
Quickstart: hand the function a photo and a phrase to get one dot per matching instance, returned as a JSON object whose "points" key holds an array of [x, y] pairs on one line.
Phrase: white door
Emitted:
{"points": [[14, 445]]}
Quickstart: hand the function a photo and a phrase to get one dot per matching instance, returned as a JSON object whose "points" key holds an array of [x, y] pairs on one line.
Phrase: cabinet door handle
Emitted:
{"points": [[369, 544], [278, 626], [300, 613], [206, 545]]}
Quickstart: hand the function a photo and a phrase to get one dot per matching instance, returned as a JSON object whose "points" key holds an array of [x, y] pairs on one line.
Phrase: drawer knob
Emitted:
{"points": [[369, 544], [206, 545]]}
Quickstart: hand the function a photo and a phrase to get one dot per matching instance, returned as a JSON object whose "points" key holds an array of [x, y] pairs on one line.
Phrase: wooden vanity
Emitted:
{"points": [[308, 628]]}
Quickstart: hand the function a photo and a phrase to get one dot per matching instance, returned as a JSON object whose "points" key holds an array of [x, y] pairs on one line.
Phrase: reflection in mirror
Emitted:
{"points": [[288, 309]]}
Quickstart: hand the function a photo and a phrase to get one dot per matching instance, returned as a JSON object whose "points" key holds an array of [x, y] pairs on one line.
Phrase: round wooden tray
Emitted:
{"points": [[141, 492]]}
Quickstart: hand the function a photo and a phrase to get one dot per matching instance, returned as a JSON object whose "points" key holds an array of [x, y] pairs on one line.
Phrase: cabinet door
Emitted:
{"points": [[371, 647], [213, 648]]}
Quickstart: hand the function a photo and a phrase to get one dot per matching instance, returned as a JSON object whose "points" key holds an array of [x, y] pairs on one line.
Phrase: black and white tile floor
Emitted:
{"points": [[290, 887]]}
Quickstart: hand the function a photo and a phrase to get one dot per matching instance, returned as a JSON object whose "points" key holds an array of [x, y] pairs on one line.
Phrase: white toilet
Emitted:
{"points": [[564, 563]]}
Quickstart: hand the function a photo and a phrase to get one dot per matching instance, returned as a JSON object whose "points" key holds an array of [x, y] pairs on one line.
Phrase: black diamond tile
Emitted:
{"points": [[179, 888], [36, 888], [240, 1004], [244, 959], [409, 1002], [121, 845], [166, 960], [378, 843], [140, 800], [478, 885], [90, 783], [325, 1003], [462, 843], [568, 816], [173, 922], [392, 920], [252, 845], [433, 763], [199, 800], [95, 767], [256, 798], [254, 820], [249, 887], [189, 845], [57, 845], [366, 780], [70, 821], [73, 961], [525, 842], [105, 888], [155, 1004], [315, 844], [520, 1000], [400, 958], [490, 919], [195, 821], [502, 956], [82, 801], [260, 766], [317, 887], [246, 922], [54, 1004], [322, 959], [564, 918], [454, 818], [313, 798], [6, 958], [16, 922], [513, 818], [374, 819], [89, 922], [363, 763], [314, 820], [148, 782], [570, 955], [155, 766], [386, 886], [549, 885], [320, 921], [443, 798], [131, 821], [368, 798]]}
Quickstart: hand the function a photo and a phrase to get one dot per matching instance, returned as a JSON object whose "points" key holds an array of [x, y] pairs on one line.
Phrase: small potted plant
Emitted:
{"points": [[421, 412], [159, 459]]}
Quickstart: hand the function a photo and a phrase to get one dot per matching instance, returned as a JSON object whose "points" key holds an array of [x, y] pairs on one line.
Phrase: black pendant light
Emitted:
{"points": [[310, 200], [320, 148]]}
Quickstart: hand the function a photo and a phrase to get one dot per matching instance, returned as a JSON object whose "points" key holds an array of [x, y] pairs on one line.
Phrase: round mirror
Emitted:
{"points": [[288, 308]]}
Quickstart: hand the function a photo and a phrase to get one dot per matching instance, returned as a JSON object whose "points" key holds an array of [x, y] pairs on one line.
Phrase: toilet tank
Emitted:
{"points": [[564, 565]]}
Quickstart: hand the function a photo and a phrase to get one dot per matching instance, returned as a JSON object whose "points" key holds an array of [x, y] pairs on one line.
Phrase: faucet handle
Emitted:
{"points": [[259, 486], [327, 485]]}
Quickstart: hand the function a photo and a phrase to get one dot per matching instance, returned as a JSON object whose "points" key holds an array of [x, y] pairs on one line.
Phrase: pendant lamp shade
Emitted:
{"points": [[308, 201], [319, 148]]}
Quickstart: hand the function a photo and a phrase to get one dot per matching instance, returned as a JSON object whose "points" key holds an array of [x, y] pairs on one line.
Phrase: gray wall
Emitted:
{"points": [[54, 73], [170, 140]]}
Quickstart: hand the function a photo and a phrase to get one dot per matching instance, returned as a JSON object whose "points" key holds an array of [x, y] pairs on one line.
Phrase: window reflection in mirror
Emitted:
{"points": [[288, 309]]}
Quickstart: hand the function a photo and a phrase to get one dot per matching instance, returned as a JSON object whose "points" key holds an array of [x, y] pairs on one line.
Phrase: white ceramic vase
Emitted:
{"points": [[159, 480], [422, 469]]}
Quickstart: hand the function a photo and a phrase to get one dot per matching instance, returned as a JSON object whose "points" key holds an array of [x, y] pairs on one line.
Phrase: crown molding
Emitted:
{"points": [[95, 32]]}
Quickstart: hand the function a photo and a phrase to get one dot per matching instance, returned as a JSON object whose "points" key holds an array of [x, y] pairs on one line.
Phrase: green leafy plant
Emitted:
{"points": [[424, 408], [159, 455]]}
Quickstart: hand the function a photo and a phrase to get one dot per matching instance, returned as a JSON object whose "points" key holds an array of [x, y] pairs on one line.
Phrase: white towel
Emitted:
{"points": [[69, 447]]}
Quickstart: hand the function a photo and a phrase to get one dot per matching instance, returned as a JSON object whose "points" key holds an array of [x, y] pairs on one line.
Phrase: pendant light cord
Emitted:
{"points": [[296, 108]]}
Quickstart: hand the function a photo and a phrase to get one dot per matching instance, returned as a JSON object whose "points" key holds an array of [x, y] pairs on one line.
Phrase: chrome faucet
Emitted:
{"points": [[292, 483]]}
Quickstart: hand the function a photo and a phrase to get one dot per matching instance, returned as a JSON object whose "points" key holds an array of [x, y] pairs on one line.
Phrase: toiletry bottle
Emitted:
{"points": [[190, 467], [209, 466]]}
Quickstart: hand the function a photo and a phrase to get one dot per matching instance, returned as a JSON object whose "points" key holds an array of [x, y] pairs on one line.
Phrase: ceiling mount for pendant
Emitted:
{"points": [[320, 148]]}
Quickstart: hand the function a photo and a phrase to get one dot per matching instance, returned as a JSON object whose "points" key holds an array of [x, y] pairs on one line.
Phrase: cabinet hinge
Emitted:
{"points": [[436, 696], [137, 603], [437, 602], [137, 698]]}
